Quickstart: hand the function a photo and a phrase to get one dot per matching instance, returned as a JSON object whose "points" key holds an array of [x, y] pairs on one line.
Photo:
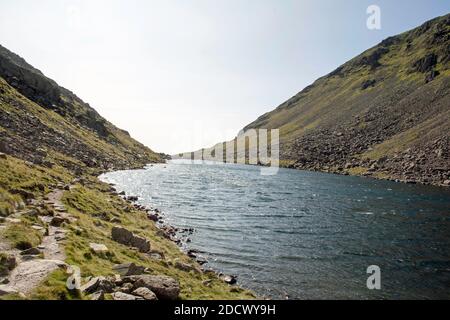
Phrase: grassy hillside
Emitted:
{"points": [[45, 123], [384, 113]]}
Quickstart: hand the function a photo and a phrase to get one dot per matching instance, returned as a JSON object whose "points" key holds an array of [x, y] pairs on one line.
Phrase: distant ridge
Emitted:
{"points": [[385, 113]]}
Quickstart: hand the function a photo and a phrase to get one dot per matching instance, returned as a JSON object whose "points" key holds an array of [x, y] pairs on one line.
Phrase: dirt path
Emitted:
{"points": [[31, 270]]}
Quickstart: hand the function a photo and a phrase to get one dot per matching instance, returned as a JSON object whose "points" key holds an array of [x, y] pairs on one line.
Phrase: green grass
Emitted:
{"points": [[21, 236], [54, 288]]}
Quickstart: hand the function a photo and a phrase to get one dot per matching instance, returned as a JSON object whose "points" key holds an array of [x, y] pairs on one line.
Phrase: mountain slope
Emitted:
{"points": [[385, 113], [43, 122], [52, 147]]}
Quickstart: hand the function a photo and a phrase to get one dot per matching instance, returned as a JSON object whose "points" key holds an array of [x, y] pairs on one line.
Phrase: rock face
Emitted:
{"points": [[24, 90], [126, 237], [165, 288]]}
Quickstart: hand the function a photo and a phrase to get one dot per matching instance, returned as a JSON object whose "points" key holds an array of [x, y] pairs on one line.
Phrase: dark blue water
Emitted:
{"points": [[303, 234]]}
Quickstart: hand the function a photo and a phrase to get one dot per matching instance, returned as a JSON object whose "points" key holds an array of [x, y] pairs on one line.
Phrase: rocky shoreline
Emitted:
{"points": [[144, 255], [179, 236]]}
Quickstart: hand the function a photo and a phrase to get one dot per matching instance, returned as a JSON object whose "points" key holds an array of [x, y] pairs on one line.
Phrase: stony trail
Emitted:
{"points": [[31, 270]]}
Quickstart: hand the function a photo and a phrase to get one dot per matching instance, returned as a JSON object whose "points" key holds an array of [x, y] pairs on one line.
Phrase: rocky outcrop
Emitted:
{"points": [[126, 237]]}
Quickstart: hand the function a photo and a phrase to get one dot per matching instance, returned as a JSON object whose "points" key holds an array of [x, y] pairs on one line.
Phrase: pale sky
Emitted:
{"points": [[184, 74]]}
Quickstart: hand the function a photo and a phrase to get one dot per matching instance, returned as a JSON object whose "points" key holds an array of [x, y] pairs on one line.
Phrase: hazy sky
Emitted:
{"points": [[180, 75]]}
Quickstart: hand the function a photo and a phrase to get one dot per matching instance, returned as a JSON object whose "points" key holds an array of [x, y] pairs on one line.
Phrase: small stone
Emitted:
{"points": [[228, 279], [38, 228], [13, 220], [115, 220], [207, 283], [3, 156], [145, 293], [124, 296], [98, 248], [153, 217], [57, 221]]}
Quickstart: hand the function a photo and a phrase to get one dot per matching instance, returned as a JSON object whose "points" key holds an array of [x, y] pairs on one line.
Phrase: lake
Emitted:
{"points": [[305, 235]]}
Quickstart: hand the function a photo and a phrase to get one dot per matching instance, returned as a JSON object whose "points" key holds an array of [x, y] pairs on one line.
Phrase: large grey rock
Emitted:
{"points": [[165, 288], [126, 237], [98, 248], [145, 293]]}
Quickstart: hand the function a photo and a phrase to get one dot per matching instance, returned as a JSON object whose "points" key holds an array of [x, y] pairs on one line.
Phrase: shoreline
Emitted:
{"points": [[179, 236], [362, 173], [95, 223]]}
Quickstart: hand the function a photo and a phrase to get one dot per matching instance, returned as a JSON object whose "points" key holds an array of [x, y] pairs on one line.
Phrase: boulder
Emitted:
{"points": [[128, 269], [126, 237], [91, 286], [145, 293], [228, 279], [3, 156], [98, 248], [153, 217], [96, 284], [124, 296], [165, 288]]}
